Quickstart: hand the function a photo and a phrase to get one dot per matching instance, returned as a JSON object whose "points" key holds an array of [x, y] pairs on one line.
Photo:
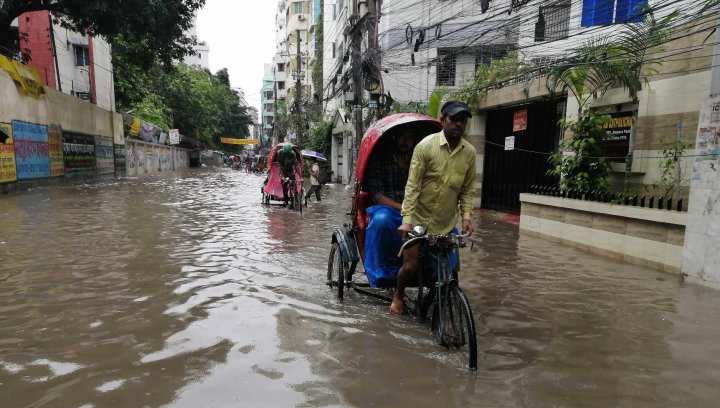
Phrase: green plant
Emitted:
{"points": [[492, 76], [584, 168], [672, 175], [435, 101]]}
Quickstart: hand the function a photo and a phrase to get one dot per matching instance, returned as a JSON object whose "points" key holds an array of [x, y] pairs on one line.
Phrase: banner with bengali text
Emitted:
{"points": [[227, 140], [32, 157], [104, 155], [55, 151], [79, 152], [8, 173]]}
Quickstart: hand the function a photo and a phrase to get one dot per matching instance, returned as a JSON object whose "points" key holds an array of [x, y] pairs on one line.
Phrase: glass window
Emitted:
{"points": [[281, 67], [297, 7], [333, 12], [281, 85], [82, 56]]}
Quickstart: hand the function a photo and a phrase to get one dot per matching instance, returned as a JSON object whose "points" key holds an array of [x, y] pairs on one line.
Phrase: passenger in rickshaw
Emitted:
{"points": [[440, 189], [387, 176], [288, 161]]}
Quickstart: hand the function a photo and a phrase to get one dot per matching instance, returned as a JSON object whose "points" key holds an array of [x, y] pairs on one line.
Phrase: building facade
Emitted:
{"points": [[267, 106], [76, 64], [201, 55]]}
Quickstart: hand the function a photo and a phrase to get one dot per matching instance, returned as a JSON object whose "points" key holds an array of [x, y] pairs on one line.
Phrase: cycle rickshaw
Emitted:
{"points": [[436, 289], [272, 190]]}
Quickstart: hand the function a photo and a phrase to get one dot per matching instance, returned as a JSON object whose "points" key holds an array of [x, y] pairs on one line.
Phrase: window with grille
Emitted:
{"points": [[269, 107], [281, 85], [82, 56], [445, 68], [553, 22], [281, 67], [297, 7], [268, 94]]}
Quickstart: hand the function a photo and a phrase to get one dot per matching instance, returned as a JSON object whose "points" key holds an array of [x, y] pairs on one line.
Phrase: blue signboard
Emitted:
{"points": [[31, 150]]}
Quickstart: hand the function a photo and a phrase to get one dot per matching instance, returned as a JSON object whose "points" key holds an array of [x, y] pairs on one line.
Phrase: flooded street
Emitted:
{"points": [[185, 291]]}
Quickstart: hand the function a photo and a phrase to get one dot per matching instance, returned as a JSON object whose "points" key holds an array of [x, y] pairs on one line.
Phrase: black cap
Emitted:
{"points": [[452, 108]]}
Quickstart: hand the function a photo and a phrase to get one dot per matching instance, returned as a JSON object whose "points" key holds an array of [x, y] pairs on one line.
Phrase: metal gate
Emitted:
{"points": [[507, 173]]}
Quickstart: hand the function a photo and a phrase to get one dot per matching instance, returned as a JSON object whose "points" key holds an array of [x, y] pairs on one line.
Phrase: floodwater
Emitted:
{"points": [[184, 291]]}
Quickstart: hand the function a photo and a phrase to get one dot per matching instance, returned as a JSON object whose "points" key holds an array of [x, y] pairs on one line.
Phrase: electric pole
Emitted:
{"points": [[374, 74], [298, 87], [356, 64]]}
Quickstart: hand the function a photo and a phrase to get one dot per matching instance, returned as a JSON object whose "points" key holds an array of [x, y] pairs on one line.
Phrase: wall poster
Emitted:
{"points": [[79, 151], [55, 151], [31, 150], [105, 156], [8, 173]]}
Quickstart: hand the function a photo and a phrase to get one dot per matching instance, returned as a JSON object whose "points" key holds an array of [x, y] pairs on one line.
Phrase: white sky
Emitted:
{"points": [[241, 36]]}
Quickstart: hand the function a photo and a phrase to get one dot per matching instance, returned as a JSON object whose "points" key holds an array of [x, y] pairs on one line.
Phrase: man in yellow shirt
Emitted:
{"points": [[440, 188]]}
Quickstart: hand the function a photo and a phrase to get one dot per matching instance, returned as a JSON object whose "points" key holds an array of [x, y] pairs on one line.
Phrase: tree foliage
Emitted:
{"points": [[492, 76], [157, 27], [200, 104], [584, 168]]}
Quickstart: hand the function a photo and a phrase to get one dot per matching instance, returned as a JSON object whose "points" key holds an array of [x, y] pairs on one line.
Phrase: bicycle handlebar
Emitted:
{"points": [[427, 238]]}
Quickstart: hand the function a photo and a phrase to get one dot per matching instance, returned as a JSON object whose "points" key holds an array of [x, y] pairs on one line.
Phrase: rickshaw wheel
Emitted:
{"points": [[336, 271], [459, 331]]}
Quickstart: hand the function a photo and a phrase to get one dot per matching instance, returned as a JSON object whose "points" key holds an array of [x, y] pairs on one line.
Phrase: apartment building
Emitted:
{"points": [[73, 63]]}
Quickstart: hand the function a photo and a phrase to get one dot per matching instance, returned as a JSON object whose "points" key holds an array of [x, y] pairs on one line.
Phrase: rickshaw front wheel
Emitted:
{"points": [[336, 271]]}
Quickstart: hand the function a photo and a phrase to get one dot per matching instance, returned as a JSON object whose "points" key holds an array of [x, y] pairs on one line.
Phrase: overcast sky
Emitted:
{"points": [[241, 36]]}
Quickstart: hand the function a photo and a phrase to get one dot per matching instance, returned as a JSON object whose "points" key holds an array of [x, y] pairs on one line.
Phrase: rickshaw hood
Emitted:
{"points": [[375, 132]]}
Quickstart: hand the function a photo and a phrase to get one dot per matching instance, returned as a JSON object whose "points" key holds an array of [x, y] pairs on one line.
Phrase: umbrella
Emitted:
{"points": [[313, 154]]}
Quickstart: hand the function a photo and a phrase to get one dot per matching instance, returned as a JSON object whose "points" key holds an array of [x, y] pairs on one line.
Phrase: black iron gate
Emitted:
{"points": [[507, 173]]}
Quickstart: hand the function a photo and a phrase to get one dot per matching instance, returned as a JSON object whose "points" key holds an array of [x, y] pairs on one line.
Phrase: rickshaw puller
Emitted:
{"points": [[287, 159], [442, 177]]}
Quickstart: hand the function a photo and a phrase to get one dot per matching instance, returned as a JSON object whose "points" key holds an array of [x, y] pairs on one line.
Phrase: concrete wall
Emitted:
{"points": [[60, 137], [652, 238], [144, 158]]}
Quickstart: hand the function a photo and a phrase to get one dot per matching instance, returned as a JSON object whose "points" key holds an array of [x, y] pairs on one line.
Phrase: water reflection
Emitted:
{"points": [[185, 291]]}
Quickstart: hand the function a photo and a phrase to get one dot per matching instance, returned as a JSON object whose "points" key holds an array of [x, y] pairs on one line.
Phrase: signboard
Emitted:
{"points": [[8, 173], [228, 140], [31, 150], [510, 143], [520, 120], [104, 155], [55, 151], [174, 136], [79, 152], [617, 141]]}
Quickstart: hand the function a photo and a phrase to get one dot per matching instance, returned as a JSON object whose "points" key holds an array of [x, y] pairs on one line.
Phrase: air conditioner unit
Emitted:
{"points": [[301, 18]]}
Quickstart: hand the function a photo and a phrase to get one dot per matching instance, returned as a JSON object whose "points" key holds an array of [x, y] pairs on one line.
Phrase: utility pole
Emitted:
{"points": [[275, 98], [374, 82], [298, 87], [356, 64]]}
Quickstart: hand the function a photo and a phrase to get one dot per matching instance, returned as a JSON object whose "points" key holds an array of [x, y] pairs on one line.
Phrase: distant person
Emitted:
{"points": [[314, 179], [288, 161]]}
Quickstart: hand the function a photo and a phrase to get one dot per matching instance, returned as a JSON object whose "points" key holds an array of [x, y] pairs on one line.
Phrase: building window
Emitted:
{"points": [[297, 7], [445, 68], [333, 12], [607, 12], [281, 85], [553, 22], [268, 94], [82, 56], [334, 47], [281, 67], [269, 107], [303, 36], [269, 120]]}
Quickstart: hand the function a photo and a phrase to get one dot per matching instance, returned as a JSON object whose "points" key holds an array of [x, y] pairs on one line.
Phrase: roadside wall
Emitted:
{"points": [[56, 138], [648, 237]]}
